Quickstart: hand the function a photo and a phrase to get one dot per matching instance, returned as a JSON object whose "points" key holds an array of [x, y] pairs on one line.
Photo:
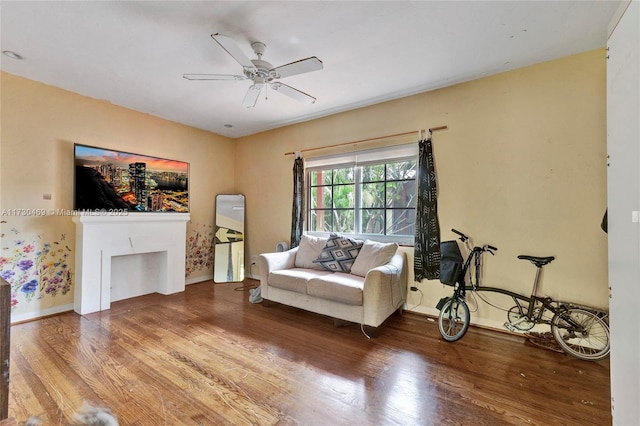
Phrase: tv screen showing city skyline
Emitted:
{"points": [[117, 181]]}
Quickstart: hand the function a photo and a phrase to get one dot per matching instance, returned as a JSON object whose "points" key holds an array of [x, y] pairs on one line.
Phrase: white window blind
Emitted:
{"points": [[363, 157]]}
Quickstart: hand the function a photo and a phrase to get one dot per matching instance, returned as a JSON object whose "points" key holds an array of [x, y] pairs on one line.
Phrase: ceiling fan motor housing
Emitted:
{"points": [[263, 69]]}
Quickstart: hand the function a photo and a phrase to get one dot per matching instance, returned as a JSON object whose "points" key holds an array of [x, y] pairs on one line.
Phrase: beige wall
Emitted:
{"points": [[522, 167], [41, 123]]}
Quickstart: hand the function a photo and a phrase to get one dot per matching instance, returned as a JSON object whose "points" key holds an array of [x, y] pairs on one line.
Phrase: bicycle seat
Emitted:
{"points": [[538, 261]]}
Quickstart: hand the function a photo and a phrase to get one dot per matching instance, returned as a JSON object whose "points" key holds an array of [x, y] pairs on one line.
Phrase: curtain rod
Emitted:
{"points": [[432, 129]]}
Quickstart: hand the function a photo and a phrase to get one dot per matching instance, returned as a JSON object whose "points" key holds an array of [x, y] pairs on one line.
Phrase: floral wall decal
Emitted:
{"points": [[199, 248], [40, 267], [35, 269]]}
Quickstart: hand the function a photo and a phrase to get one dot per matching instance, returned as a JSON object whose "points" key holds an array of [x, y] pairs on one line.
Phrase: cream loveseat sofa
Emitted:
{"points": [[333, 277]]}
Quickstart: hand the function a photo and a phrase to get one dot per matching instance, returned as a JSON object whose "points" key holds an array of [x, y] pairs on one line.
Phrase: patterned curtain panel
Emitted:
{"points": [[297, 214], [427, 243]]}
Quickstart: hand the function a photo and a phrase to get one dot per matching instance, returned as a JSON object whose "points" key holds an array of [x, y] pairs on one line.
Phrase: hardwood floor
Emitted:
{"points": [[209, 357]]}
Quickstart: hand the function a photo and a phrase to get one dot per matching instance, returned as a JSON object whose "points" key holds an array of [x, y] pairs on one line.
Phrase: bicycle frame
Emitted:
{"points": [[580, 331], [533, 300]]}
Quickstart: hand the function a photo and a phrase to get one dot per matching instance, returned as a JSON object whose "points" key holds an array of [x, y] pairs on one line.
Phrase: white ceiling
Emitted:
{"points": [[134, 53]]}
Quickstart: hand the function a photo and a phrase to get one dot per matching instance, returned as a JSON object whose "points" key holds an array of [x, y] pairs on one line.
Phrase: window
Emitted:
{"points": [[370, 194]]}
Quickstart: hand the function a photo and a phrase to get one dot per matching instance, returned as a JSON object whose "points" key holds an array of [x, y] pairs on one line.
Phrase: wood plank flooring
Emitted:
{"points": [[209, 357]]}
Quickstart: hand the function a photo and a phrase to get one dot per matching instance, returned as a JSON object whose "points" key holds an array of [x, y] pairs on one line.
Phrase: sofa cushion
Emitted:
{"points": [[294, 279], [373, 254], [308, 250], [339, 287], [339, 253]]}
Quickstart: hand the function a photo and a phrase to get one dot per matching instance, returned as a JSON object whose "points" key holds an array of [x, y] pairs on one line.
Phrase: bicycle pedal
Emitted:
{"points": [[510, 327]]}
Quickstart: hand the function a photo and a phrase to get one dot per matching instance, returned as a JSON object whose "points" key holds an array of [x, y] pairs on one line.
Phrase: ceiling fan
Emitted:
{"points": [[261, 72]]}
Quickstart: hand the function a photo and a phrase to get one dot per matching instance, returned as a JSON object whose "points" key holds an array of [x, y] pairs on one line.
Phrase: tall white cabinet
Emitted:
{"points": [[623, 148]]}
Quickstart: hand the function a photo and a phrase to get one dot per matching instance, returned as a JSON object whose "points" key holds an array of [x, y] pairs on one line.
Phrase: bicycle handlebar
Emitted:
{"points": [[464, 238]]}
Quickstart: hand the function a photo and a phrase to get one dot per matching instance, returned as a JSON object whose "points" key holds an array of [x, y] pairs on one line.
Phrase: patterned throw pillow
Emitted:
{"points": [[339, 253]]}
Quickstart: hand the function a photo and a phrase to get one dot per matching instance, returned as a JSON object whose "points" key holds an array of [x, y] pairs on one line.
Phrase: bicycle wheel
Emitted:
{"points": [[454, 319], [581, 333]]}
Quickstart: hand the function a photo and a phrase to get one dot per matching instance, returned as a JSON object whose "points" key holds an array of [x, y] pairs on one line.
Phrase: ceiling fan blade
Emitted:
{"points": [[213, 77], [293, 93], [251, 97], [299, 67], [228, 44]]}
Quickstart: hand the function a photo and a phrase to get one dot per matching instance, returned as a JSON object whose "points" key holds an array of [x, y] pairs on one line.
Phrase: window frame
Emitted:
{"points": [[358, 159]]}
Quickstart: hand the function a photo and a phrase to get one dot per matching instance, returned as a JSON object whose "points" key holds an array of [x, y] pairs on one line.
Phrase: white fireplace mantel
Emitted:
{"points": [[102, 236]]}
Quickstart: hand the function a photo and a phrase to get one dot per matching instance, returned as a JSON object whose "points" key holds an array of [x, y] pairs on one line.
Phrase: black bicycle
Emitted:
{"points": [[580, 331]]}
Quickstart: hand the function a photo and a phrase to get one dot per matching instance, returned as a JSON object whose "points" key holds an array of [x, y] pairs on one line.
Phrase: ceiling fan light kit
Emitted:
{"points": [[261, 72]]}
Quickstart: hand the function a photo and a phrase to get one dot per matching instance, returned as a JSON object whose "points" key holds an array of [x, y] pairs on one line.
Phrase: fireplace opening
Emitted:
{"points": [[134, 275]]}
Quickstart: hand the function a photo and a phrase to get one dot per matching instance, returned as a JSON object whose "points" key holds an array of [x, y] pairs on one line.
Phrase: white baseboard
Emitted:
{"points": [[210, 278], [434, 312], [41, 313], [199, 279]]}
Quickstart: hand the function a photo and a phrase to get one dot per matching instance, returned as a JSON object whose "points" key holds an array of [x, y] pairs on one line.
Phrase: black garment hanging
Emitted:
{"points": [[297, 213], [427, 239]]}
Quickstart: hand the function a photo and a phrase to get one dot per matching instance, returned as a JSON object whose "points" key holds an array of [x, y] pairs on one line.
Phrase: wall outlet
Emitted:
{"points": [[254, 258]]}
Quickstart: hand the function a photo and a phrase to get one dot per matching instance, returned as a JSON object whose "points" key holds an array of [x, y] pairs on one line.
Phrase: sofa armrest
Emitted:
{"points": [[384, 290], [268, 262]]}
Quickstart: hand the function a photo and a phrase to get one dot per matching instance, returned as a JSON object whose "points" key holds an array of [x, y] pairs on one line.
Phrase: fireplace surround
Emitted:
{"points": [[103, 237]]}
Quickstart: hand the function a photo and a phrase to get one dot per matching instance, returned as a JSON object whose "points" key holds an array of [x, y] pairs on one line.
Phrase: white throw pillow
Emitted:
{"points": [[373, 254], [308, 250]]}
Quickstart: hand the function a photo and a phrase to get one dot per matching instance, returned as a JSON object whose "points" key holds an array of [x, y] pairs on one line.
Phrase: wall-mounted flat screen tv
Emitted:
{"points": [[110, 180]]}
